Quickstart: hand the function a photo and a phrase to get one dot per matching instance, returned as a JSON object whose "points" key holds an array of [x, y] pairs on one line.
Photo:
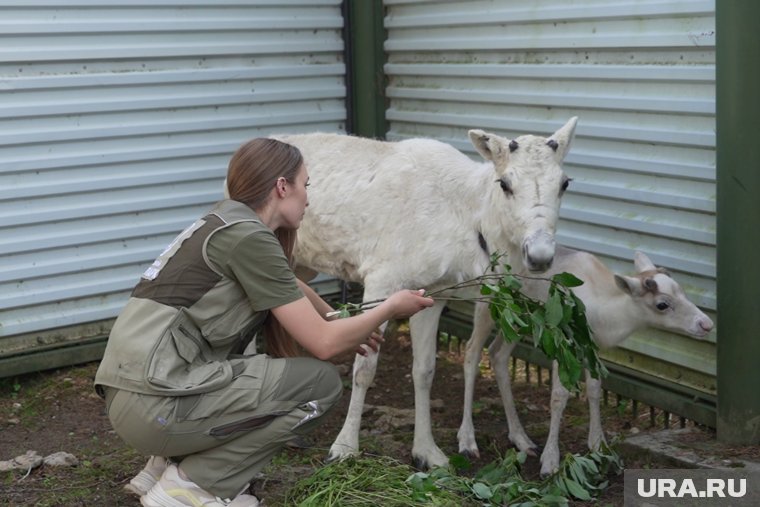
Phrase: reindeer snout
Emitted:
{"points": [[538, 252], [706, 324]]}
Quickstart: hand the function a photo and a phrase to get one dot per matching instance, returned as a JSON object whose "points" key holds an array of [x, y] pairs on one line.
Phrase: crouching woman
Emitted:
{"points": [[176, 384]]}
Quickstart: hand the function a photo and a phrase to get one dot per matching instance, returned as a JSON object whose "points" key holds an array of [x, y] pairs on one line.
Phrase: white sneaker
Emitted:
{"points": [[171, 490], [147, 477]]}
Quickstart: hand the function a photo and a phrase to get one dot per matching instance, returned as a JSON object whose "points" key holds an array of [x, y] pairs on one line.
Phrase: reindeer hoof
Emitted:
{"points": [[420, 463], [533, 451], [338, 456]]}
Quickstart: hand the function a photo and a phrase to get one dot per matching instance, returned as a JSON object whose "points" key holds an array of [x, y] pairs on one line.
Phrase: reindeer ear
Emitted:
{"points": [[642, 262], [628, 284], [490, 146], [561, 139]]}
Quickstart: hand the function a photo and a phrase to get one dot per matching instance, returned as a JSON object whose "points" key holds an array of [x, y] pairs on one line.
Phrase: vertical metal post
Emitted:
{"points": [[365, 36], [738, 168]]}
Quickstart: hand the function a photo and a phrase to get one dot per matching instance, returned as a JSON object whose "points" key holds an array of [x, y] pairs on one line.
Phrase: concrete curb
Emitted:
{"points": [[666, 446]]}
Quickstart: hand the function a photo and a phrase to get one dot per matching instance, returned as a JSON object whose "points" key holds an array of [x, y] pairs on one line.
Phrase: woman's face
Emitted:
{"points": [[294, 204]]}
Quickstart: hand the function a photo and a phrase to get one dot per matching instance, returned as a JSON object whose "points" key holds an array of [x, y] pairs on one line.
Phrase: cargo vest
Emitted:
{"points": [[183, 319]]}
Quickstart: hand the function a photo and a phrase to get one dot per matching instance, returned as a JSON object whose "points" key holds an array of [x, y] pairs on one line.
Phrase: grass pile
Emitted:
{"points": [[362, 481], [383, 481]]}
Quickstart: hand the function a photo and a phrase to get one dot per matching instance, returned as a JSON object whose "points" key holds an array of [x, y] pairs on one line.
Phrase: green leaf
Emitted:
{"points": [[553, 310], [576, 470], [482, 491], [576, 490], [549, 343], [569, 369], [553, 500]]}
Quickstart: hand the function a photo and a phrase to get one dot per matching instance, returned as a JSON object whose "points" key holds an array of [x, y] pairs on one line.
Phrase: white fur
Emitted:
{"points": [[616, 307], [407, 214]]}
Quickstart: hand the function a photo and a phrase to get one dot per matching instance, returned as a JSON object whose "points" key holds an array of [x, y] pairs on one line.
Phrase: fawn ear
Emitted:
{"points": [[642, 262], [629, 284]]}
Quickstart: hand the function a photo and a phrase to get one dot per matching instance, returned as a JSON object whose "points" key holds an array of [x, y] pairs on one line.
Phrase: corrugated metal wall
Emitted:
{"points": [[641, 77], [117, 119]]}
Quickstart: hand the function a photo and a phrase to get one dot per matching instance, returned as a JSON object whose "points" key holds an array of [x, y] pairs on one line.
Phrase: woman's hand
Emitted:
{"points": [[373, 342], [406, 303], [402, 304]]}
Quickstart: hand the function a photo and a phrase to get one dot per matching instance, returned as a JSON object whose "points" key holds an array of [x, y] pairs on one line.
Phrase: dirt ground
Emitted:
{"points": [[59, 411]]}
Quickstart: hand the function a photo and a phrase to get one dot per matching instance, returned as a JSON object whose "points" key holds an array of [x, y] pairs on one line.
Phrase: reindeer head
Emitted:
{"points": [[662, 301], [528, 172]]}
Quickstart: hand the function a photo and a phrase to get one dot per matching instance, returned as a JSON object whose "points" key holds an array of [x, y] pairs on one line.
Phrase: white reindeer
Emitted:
{"points": [[616, 307], [419, 213]]}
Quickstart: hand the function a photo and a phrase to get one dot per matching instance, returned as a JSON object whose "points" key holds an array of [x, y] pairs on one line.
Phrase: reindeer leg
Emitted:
{"points": [[481, 328], [347, 442], [560, 395], [424, 329], [500, 351], [595, 431]]}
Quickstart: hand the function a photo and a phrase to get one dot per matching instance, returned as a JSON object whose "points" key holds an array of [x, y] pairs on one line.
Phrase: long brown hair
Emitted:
{"points": [[252, 174]]}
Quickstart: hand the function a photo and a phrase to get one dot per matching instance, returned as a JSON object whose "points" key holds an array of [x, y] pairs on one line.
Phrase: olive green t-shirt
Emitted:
{"points": [[250, 253]]}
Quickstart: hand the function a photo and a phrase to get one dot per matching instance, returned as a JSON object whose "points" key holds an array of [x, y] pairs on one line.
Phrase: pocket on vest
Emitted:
{"points": [[177, 366]]}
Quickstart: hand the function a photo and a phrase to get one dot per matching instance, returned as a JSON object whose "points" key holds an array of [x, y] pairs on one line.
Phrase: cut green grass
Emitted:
{"points": [[378, 480]]}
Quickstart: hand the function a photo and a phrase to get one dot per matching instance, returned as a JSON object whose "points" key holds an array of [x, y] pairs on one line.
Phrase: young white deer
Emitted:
{"points": [[420, 214], [616, 307]]}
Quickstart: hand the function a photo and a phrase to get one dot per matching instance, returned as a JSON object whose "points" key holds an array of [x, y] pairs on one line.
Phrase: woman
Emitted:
{"points": [[172, 375]]}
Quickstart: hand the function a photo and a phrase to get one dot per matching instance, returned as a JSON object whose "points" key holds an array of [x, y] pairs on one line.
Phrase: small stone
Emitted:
{"points": [[437, 404], [635, 431], [16, 406], [61, 459], [14, 420], [27, 461]]}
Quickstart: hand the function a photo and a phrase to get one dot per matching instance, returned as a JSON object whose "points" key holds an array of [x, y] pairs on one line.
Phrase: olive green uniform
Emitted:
{"points": [[174, 380]]}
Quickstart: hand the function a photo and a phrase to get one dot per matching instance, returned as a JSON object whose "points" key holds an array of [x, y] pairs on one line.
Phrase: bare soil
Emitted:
{"points": [[59, 411]]}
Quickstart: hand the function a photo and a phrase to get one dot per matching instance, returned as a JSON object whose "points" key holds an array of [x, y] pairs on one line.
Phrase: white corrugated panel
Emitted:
{"points": [[641, 77], [117, 120]]}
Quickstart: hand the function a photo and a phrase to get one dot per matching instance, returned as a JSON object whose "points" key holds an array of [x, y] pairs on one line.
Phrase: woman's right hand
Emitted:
{"points": [[406, 303]]}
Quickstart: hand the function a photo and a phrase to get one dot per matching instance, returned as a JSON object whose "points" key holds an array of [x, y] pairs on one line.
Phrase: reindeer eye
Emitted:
{"points": [[662, 306], [505, 186], [566, 183]]}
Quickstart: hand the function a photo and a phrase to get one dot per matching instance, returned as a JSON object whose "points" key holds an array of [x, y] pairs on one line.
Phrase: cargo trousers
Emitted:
{"points": [[222, 439]]}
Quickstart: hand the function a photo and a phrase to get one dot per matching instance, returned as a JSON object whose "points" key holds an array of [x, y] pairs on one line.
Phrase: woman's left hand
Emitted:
{"points": [[373, 342]]}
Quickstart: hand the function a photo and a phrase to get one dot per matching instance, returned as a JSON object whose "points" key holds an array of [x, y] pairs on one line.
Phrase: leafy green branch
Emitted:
{"points": [[581, 477], [558, 327]]}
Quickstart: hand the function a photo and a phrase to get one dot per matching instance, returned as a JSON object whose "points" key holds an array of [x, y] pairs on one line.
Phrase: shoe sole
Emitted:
{"points": [[155, 498], [141, 483]]}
